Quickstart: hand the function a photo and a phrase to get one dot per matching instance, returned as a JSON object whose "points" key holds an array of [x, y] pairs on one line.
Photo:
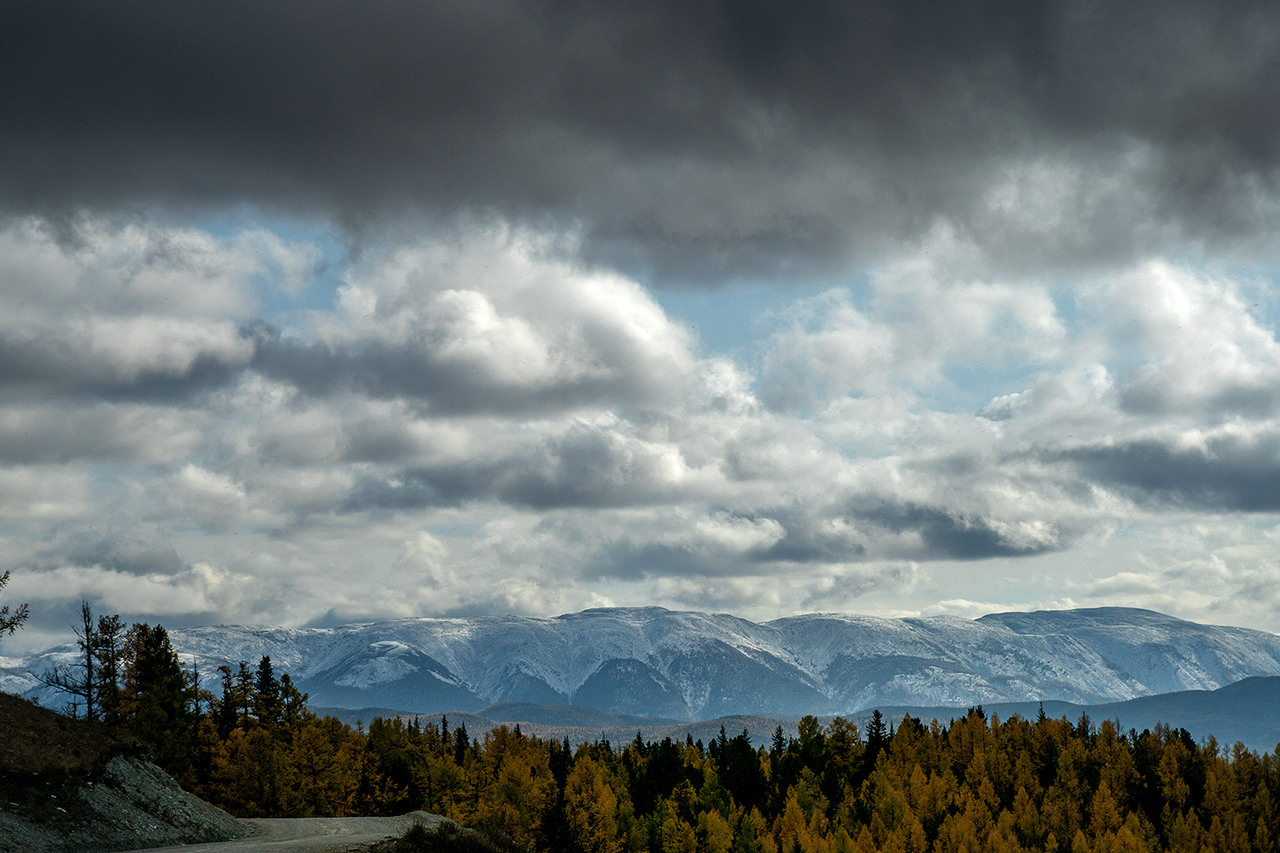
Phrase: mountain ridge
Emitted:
{"points": [[686, 665]]}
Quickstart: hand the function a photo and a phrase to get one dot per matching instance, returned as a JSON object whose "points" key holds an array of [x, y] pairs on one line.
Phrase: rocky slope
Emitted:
{"points": [[653, 662], [68, 786]]}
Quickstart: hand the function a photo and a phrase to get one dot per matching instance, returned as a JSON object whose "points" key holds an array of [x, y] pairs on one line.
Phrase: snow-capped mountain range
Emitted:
{"points": [[654, 662]]}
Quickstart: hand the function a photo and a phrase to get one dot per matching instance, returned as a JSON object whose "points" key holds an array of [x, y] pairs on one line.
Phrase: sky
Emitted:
{"points": [[314, 312]]}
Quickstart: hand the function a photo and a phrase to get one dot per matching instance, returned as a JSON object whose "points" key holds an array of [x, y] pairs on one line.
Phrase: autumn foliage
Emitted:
{"points": [[973, 784]]}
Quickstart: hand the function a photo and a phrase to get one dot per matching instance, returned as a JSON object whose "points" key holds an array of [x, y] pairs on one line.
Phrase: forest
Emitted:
{"points": [[246, 741]]}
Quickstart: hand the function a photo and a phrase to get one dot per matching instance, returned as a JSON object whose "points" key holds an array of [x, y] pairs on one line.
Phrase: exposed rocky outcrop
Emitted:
{"points": [[71, 786]]}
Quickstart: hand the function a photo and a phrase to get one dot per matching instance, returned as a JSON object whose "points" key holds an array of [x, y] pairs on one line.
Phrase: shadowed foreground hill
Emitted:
{"points": [[74, 785]]}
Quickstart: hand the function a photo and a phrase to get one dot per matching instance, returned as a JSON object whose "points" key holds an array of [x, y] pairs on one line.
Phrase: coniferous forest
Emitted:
{"points": [[247, 742]]}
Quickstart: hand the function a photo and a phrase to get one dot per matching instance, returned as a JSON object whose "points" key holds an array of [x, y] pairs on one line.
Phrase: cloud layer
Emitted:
{"points": [[315, 311], [691, 139], [479, 423]]}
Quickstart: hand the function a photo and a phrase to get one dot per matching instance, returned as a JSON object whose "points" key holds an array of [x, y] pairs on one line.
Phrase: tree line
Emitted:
{"points": [[247, 742]]}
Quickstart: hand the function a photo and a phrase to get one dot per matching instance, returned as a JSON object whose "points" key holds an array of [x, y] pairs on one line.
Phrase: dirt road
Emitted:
{"points": [[309, 834]]}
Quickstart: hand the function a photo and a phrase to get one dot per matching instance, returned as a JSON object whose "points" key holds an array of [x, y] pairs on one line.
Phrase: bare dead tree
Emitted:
{"points": [[10, 622], [79, 681]]}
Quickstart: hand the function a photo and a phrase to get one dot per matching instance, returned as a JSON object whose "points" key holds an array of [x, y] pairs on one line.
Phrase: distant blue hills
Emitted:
{"points": [[1247, 711], [1244, 712]]}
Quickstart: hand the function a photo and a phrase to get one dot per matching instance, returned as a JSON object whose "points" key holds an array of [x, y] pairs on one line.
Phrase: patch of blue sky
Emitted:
{"points": [[971, 386], [969, 389], [1260, 290], [1066, 305], [736, 320], [276, 304], [1256, 281]]}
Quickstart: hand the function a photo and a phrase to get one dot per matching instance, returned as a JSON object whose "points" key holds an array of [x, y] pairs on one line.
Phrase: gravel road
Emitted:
{"points": [[309, 834]]}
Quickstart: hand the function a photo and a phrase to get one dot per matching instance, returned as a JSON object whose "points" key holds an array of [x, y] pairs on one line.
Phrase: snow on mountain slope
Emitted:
{"points": [[1159, 652], [656, 662]]}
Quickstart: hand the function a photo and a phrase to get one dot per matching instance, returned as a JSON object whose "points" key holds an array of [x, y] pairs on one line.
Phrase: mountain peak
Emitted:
{"points": [[655, 662]]}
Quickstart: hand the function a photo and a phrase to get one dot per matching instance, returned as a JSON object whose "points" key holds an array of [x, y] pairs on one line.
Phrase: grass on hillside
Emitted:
{"points": [[38, 741], [45, 756]]}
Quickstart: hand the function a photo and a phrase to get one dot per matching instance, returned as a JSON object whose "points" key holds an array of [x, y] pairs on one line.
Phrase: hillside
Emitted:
{"points": [[71, 786]]}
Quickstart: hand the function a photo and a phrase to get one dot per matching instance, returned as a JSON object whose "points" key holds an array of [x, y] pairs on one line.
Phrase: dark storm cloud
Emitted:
{"points": [[46, 366], [414, 371], [808, 537], [1227, 473], [1153, 391], [419, 489], [949, 536], [631, 559], [110, 551], [918, 533], [583, 468], [125, 554], [704, 136]]}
